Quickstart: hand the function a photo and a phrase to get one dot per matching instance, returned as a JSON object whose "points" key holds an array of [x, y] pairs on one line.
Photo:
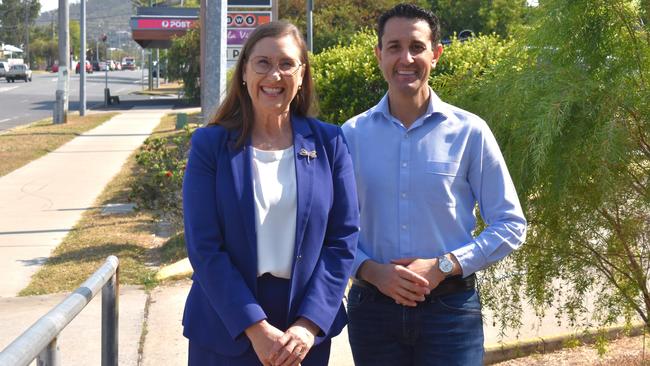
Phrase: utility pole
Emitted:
{"points": [[26, 32], [310, 25], [82, 61], [150, 69], [157, 68], [213, 42], [62, 86]]}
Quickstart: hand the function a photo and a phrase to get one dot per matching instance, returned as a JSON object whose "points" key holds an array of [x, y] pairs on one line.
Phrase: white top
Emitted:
{"points": [[274, 187]]}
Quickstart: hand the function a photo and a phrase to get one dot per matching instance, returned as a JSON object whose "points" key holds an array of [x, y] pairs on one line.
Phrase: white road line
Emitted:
{"points": [[7, 88], [5, 120]]}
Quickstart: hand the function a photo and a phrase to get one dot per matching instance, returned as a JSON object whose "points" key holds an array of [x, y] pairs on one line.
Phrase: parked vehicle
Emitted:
{"points": [[89, 67], [128, 63], [95, 65], [54, 68], [21, 72], [4, 67], [103, 66]]}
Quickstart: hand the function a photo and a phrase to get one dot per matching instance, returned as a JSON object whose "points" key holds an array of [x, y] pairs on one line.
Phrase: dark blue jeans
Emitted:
{"points": [[443, 331]]}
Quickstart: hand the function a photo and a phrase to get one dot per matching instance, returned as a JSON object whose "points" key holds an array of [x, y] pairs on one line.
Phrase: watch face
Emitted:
{"points": [[445, 265]]}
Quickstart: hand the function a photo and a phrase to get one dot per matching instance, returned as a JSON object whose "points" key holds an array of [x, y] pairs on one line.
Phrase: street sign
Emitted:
{"points": [[250, 3], [247, 19], [232, 53]]}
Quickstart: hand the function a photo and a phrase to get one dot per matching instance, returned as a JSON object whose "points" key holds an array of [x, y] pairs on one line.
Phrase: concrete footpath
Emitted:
{"points": [[42, 201]]}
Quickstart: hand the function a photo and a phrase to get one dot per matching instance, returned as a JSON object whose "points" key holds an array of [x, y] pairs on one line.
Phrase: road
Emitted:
{"points": [[22, 103]]}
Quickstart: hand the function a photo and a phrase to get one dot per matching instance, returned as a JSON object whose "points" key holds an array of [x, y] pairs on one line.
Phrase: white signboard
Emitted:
{"points": [[232, 53]]}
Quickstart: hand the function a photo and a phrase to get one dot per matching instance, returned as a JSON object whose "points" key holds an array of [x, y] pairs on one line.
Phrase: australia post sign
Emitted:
{"points": [[166, 24]]}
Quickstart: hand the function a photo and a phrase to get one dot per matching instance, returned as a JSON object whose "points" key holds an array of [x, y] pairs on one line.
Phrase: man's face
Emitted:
{"points": [[407, 57]]}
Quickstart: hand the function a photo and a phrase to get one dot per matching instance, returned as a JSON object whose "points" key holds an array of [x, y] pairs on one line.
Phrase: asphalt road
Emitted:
{"points": [[22, 103]]}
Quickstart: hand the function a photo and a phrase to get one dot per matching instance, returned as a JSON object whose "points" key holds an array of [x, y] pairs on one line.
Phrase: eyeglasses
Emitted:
{"points": [[286, 67]]}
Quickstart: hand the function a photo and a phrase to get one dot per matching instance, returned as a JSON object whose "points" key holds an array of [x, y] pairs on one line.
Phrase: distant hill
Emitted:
{"points": [[109, 17]]}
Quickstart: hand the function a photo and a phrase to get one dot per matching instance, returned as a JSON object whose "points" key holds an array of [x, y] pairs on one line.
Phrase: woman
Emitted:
{"points": [[271, 216]]}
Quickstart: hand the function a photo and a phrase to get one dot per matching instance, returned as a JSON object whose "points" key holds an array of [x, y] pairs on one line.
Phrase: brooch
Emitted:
{"points": [[308, 154]]}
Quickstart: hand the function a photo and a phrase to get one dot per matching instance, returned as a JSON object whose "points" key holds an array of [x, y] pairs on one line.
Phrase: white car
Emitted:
{"points": [[21, 72]]}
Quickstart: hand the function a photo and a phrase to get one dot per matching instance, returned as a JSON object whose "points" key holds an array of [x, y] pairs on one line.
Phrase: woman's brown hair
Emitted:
{"points": [[236, 110]]}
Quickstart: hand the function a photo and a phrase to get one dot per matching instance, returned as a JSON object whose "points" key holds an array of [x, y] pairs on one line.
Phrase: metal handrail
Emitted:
{"points": [[40, 340]]}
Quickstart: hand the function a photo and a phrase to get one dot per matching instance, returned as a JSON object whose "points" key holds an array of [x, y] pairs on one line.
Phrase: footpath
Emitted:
{"points": [[41, 202]]}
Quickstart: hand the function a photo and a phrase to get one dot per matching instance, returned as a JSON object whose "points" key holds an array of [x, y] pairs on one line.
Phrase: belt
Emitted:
{"points": [[450, 285]]}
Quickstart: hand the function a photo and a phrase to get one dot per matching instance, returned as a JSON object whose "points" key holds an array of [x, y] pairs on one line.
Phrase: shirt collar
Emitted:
{"points": [[434, 106]]}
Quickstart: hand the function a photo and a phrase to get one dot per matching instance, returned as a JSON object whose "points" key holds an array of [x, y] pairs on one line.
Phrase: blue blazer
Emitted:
{"points": [[221, 240]]}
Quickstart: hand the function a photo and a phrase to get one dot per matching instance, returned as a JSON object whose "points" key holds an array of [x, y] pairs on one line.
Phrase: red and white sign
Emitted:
{"points": [[166, 24]]}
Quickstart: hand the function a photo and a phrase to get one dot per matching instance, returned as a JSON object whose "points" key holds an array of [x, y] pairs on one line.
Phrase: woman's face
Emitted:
{"points": [[273, 74]]}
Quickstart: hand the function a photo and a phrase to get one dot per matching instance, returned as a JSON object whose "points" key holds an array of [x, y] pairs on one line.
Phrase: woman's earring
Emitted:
{"points": [[243, 83], [299, 87]]}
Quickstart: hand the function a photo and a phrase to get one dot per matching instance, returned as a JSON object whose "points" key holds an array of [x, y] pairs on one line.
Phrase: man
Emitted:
{"points": [[421, 167]]}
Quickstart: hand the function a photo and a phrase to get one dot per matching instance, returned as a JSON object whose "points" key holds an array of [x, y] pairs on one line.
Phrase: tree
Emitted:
{"points": [[570, 110], [184, 62], [493, 16], [335, 21], [12, 19]]}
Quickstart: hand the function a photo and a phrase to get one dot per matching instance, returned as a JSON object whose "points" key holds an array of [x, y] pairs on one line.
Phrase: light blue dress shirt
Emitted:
{"points": [[418, 187]]}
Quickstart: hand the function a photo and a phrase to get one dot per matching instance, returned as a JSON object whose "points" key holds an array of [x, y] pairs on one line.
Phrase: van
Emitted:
{"points": [[128, 63], [4, 67]]}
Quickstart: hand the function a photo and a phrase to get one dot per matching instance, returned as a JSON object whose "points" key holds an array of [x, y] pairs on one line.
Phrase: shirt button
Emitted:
{"points": [[299, 257], [403, 194], [403, 227], [404, 164]]}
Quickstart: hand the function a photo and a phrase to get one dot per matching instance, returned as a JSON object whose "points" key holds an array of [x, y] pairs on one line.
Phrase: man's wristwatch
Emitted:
{"points": [[445, 265]]}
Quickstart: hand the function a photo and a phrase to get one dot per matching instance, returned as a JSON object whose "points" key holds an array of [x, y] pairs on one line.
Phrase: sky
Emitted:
{"points": [[47, 5]]}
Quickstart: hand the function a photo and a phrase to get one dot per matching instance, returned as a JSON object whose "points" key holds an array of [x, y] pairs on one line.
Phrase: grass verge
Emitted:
{"points": [[164, 89], [21, 145], [96, 236]]}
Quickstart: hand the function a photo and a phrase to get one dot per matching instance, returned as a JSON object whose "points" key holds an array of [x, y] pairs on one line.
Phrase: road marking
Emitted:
{"points": [[5, 120], [7, 88]]}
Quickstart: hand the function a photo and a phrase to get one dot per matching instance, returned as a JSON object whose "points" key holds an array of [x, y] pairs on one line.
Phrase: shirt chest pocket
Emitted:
{"points": [[442, 182]]}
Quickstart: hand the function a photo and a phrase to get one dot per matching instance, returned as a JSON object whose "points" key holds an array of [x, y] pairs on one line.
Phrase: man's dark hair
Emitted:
{"points": [[410, 11]]}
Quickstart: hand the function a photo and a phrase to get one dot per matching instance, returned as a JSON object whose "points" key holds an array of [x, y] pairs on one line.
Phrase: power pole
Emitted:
{"points": [[310, 25], [82, 61], [62, 86], [26, 32], [213, 42], [150, 69]]}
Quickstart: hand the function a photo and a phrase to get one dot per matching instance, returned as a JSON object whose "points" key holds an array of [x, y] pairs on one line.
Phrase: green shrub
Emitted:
{"points": [[349, 81], [184, 62], [162, 161]]}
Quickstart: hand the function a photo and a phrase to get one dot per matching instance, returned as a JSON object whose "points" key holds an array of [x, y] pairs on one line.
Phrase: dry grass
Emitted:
{"points": [[96, 236], [625, 351], [164, 89], [21, 145]]}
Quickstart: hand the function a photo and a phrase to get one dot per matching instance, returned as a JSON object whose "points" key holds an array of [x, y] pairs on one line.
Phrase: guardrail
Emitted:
{"points": [[40, 340]]}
